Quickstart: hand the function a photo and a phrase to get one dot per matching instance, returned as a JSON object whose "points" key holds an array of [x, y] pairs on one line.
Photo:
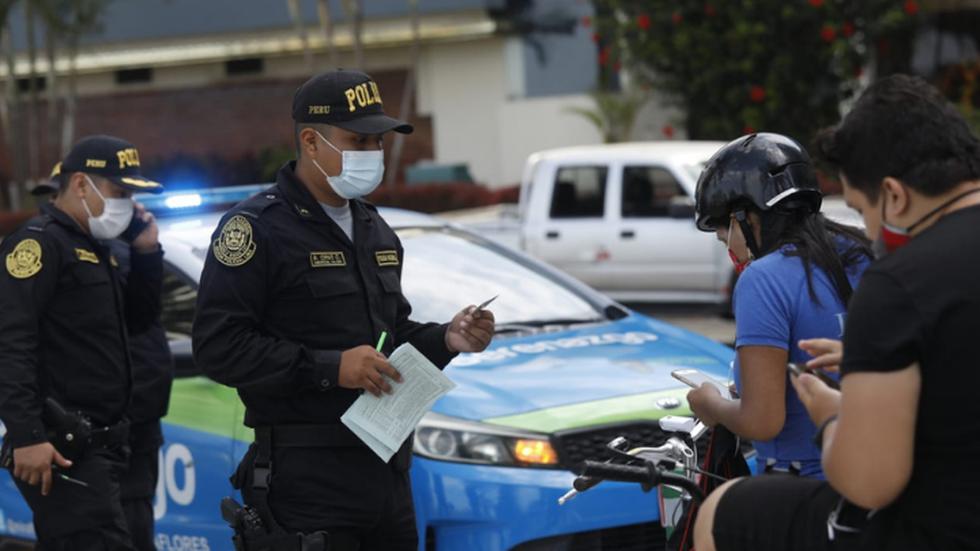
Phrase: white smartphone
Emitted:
{"points": [[694, 379]]}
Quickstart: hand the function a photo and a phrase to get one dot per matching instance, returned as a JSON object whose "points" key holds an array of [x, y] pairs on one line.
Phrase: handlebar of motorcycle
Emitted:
{"points": [[641, 474]]}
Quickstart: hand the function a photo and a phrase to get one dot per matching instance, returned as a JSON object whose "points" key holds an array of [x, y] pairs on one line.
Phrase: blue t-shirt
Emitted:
{"points": [[773, 307]]}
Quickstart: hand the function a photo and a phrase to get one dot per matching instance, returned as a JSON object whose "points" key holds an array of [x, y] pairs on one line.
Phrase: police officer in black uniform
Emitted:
{"points": [[153, 373], [65, 371], [300, 282]]}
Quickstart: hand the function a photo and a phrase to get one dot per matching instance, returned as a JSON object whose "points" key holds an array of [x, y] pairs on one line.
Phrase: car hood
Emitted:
{"points": [[587, 375]]}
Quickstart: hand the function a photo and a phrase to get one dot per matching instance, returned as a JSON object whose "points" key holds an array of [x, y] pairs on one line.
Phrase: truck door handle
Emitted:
{"points": [[552, 234], [627, 234]]}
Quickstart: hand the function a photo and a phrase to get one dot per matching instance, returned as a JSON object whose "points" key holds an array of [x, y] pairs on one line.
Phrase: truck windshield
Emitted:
{"points": [[446, 271], [695, 170]]}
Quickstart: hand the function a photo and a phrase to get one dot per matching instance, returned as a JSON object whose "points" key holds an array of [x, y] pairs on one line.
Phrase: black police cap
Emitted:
{"points": [[112, 158], [51, 185], [765, 171], [345, 99]]}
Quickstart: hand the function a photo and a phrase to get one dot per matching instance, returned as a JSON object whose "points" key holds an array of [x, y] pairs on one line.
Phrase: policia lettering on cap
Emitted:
{"points": [[65, 369], [300, 281]]}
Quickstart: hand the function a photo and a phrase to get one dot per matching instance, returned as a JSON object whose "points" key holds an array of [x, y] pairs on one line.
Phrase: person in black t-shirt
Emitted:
{"points": [[902, 437]]}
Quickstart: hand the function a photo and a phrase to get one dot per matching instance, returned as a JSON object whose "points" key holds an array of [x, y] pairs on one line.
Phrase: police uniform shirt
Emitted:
{"points": [[284, 291], [63, 331]]}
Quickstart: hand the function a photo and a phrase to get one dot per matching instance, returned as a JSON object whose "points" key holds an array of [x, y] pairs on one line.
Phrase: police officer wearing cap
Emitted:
{"points": [[300, 282], [65, 370], [153, 372]]}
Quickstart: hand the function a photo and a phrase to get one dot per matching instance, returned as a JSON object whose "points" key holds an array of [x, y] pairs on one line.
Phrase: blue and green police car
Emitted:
{"points": [[568, 371]]}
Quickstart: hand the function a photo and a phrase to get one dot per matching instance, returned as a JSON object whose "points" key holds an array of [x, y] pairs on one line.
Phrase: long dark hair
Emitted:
{"points": [[817, 242]]}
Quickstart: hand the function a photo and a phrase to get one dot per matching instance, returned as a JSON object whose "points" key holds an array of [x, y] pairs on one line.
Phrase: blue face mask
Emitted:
{"points": [[360, 174]]}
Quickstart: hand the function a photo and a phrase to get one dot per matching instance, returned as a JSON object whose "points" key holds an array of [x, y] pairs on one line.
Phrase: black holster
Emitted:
{"points": [[256, 528], [251, 533]]}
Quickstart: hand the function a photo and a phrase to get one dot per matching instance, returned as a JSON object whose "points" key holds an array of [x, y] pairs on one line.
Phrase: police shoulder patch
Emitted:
{"points": [[25, 260], [234, 245]]}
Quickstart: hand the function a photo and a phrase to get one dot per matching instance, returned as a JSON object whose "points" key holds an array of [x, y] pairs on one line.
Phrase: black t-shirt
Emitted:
{"points": [[922, 304]]}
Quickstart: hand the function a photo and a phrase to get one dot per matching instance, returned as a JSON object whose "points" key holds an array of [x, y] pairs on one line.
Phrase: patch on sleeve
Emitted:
{"points": [[25, 260], [386, 258], [234, 246]]}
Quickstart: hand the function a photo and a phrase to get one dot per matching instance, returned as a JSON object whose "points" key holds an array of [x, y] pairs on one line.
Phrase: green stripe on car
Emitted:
{"points": [[636, 407]]}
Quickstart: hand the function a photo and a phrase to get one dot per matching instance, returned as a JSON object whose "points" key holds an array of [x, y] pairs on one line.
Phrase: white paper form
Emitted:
{"points": [[385, 423]]}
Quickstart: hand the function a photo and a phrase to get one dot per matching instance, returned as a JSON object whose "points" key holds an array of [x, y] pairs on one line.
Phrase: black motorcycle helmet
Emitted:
{"points": [[768, 173]]}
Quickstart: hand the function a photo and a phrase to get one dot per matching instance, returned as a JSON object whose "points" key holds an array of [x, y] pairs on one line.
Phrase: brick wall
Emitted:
{"points": [[225, 121]]}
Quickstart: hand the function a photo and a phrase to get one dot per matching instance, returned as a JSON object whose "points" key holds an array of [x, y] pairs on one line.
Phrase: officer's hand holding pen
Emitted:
{"points": [[364, 367], [32, 464], [472, 329]]}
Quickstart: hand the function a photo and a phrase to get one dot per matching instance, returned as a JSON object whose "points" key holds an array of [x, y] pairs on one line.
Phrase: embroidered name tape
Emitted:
{"points": [[327, 259]]}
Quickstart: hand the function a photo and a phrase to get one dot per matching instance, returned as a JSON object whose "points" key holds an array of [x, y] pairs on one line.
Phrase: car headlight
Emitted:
{"points": [[450, 439]]}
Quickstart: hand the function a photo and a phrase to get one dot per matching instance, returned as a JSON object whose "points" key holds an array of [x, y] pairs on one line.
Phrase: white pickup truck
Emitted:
{"points": [[621, 218]]}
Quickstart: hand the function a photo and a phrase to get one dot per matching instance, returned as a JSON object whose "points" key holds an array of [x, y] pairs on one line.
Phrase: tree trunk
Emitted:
{"points": [[53, 151], [408, 97], [70, 100], [33, 126], [296, 14], [355, 14], [10, 119], [326, 27]]}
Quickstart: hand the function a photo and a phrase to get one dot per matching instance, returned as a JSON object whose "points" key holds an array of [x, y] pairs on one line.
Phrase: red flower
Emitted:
{"points": [[643, 21], [586, 21], [847, 29], [677, 18], [604, 56], [710, 10], [748, 129], [667, 131], [757, 94], [827, 33], [816, 3], [596, 37], [911, 7]]}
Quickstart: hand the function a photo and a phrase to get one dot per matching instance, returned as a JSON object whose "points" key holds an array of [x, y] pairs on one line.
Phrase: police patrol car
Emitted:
{"points": [[569, 370]]}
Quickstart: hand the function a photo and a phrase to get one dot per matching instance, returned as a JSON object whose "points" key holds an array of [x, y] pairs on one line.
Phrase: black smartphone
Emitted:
{"points": [[796, 371], [136, 227]]}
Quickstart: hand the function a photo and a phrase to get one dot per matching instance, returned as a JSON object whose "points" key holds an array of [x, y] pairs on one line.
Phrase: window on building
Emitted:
{"points": [[134, 76], [580, 192], [244, 66], [24, 84], [649, 191]]}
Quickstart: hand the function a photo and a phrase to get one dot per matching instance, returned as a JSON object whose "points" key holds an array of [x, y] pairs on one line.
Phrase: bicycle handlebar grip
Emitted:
{"points": [[622, 473]]}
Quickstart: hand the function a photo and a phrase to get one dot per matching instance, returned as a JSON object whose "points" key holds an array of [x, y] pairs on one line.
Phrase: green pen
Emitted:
{"points": [[381, 341]]}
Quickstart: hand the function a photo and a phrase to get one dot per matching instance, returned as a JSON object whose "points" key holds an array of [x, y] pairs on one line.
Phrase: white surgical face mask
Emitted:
{"points": [[115, 217], [360, 173]]}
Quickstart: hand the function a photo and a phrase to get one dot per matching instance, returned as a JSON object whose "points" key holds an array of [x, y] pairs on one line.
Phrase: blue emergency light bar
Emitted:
{"points": [[176, 203]]}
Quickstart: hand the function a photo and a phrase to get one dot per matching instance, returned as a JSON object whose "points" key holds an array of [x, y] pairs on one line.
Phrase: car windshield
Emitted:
{"points": [[445, 271]]}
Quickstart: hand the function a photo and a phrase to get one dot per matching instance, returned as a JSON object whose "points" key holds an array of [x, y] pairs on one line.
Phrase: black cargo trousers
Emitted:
{"points": [[345, 490]]}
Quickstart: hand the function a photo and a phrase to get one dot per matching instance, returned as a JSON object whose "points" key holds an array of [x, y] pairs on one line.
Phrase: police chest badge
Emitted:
{"points": [[25, 260], [234, 246]]}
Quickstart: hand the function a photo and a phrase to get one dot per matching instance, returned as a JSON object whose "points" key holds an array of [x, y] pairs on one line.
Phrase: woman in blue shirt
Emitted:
{"points": [[797, 271]]}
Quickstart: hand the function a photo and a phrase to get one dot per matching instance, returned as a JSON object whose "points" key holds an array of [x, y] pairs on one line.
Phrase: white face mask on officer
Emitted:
{"points": [[115, 218], [360, 173]]}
